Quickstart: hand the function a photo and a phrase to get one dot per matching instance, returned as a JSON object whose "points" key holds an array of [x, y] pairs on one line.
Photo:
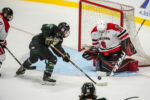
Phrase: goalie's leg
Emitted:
{"points": [[106, 63]]}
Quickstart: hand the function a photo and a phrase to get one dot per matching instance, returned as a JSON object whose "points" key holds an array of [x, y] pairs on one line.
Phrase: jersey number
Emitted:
{"points": [[103, 44]]}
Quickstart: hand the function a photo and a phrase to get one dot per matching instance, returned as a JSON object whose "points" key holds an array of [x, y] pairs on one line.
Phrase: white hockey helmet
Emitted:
{"points": [[101, 26]]}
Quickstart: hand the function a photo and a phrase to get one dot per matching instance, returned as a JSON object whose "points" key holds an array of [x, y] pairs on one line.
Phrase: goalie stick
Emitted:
{"points": [[118, 63], [98, 84], [139, 28]]}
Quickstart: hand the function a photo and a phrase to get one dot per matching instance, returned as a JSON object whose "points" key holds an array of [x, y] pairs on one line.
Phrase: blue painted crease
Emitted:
{"points": [[68, 69]]}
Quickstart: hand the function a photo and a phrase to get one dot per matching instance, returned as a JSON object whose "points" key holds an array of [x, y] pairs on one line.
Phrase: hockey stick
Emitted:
{"points": [[139, 28], [118, 63], [13, 56], [31, 68], [99, 84], [131, 97]]}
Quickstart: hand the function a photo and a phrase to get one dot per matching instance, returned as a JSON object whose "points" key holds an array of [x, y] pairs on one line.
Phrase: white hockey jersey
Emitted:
{"points": [[109, 41], [4, 27]]}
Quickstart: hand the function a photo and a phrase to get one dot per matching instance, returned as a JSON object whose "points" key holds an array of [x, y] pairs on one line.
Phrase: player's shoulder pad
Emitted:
{"points": [[114, 27], [94, 29]]}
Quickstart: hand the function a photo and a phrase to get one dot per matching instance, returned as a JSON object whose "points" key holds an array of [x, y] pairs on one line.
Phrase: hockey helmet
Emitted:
{"points": [[64, 28], [7, 13], [101, 26], [88, 89]]}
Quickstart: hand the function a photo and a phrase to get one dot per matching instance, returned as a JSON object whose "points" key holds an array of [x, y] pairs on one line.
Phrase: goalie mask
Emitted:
{"points": [[7, 13], [64, 29], [88, 90], [101, 26]]}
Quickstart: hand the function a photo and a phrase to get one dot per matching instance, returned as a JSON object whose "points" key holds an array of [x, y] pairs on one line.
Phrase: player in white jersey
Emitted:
{"points": [[5, 16], [109, 40]]}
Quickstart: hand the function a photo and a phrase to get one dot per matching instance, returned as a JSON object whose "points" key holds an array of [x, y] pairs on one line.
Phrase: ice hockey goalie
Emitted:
{"points": [[108, 42]]}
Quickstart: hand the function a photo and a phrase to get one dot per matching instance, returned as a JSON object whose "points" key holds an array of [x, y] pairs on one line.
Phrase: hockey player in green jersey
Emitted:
{"points": [[88, 92], [39, 49]]}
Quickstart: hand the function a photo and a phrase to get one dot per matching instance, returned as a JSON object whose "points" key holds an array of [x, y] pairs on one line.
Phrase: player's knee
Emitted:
{"points": [[33, 59], [53, 60]]}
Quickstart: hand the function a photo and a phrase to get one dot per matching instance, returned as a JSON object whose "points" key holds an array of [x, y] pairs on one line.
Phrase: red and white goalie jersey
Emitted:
{"points": [[110, 40]]}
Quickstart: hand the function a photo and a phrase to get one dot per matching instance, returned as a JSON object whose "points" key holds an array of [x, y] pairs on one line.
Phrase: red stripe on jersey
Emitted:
{"points": [[112, 50], [95, 43], [5, 23], [125, 35], [1, 50], [94, 29]]}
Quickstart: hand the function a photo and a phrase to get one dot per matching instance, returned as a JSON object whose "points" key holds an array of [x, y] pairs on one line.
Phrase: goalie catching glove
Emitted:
{"points": [[66, 57], [128, 47], [90, 53], [51, 40]]}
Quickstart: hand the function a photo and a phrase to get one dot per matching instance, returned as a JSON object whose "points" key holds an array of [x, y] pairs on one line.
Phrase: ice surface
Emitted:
{"points": [[29, 17]]}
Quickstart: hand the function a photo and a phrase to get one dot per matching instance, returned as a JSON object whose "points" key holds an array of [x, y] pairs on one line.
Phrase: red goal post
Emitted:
{"points": [[91, 11]]}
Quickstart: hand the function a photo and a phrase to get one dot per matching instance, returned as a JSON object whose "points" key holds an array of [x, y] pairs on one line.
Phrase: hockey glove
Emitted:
{"points": [[3, 43], [49, 40], [66, 58], [56, 41], [128, 47], [90, 53]]}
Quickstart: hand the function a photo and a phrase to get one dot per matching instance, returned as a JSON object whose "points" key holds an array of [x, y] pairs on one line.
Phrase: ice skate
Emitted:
{"points": [[47, 79], [21, 71]]}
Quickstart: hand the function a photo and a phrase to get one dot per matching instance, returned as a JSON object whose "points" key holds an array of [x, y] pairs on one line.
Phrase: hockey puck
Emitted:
{"points": [[99, 77]]}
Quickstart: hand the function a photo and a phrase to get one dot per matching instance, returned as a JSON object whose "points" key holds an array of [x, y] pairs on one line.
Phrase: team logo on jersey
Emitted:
{"points": [[145, 8]]}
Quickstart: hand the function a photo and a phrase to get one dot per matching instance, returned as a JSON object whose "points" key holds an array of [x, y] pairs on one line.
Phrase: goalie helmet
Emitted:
{"points": [[7, 13], [101, 26], [88, 89], [64, 29]]}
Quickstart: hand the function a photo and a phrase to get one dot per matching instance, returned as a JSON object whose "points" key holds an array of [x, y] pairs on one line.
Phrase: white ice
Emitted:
{"points": [[28, 18]]}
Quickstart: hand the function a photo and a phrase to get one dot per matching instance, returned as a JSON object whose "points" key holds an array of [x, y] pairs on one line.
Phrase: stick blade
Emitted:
{"points": [[102, 84]]}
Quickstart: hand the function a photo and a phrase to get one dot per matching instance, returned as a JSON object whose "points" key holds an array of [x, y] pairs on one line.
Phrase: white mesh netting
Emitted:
{"points": [[95, 10]]}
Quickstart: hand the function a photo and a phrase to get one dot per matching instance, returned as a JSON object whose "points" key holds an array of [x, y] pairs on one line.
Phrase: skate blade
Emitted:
{"points": [[21, 75], [48, 83]]}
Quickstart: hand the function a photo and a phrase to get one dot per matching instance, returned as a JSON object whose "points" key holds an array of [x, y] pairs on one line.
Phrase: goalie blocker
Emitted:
{"points": [[106, 63]]}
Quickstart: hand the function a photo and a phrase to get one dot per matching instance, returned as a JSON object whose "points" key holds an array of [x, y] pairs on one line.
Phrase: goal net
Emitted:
{"points": [[91, 11]]}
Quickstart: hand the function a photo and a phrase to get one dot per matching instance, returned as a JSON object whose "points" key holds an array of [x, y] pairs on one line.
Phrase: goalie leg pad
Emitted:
{"points": [[133, 65], [128, 65], [106, 63], [105, 66]]}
